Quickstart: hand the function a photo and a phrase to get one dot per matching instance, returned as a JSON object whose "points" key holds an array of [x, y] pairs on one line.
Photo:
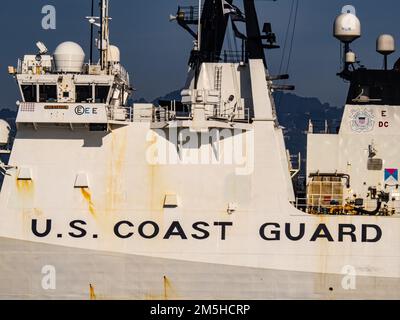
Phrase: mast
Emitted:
{"points": [[213, 29], [104, 32], [254, 43], [101, 33], [199, 28], [91, 33]]}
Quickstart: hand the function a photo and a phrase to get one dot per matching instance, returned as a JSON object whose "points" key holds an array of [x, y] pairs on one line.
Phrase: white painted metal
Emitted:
{"points": [[5, 130], [222, 166], [348, 151], [69, 57], [347, 27], [385, 44], [350, 57], [115, 55]]}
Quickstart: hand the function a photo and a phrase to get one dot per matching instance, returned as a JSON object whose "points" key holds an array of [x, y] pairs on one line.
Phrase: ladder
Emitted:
{"points": [[218, 87]]}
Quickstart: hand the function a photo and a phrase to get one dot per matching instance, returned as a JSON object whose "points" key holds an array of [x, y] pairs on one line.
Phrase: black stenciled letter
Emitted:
{"points": [[41, 234], [223, 226], [82, 232], [364, 233], [175, 230], [350, 232], [198, 226], [301, 232], [118, 234], [275, 233], [322, 232], [156, 230]]}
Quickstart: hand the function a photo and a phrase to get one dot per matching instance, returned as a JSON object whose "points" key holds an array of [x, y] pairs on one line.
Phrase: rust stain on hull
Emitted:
{"points": [[25, 190], [25, 187], [115, 169], [169, 292], [88, 198], [92, 293]]}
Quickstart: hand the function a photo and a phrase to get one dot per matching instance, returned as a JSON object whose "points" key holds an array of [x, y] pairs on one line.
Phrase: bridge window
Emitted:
{"points": [[84, 94], [29, 92], [375, 87], [47, 93], [101, 94]]}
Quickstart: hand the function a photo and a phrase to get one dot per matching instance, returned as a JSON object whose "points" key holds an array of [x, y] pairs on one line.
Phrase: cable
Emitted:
{"points": [[293, 35], [296, 11], [286, 37]]}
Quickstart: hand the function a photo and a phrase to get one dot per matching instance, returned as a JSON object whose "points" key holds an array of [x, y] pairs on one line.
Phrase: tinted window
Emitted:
{"points": [[378, 87], [47, 93], [83, 94], [374, 94], [101, 94], [29, 92]]}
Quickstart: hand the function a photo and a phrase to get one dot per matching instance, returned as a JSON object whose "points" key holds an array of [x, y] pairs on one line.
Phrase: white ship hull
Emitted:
{"points": [[118, 237], [159, 208], [125, 276]]}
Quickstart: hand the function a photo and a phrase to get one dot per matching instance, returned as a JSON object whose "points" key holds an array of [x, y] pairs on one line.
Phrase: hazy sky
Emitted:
{"points": [[155, 51]]}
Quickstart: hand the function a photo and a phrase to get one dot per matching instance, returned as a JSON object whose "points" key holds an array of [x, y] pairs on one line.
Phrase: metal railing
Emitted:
{"points": [[188, 15], [171, 113], [341, 206], [324, 126], [230, 56], [19, 66]]}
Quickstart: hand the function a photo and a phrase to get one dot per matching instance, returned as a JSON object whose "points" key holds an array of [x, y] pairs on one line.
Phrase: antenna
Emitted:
{"points": [[105, 34], [91, 32], [101, 32], [346, 29], [42, 48], [385, 45], [199, 27], [102, 22], [94, 21]]}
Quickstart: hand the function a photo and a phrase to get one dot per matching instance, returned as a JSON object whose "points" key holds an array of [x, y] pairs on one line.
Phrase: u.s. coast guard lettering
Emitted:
{"points": [[202, 230]]}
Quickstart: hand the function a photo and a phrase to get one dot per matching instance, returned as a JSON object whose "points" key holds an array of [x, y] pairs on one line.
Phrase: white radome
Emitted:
{"points": [[347, 27], [385, 44], [69, 57], [350, 57], [115, 55]]}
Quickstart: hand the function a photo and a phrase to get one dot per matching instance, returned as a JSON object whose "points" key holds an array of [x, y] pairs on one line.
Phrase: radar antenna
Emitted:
{"points": [[102, 22], [347, 28]]}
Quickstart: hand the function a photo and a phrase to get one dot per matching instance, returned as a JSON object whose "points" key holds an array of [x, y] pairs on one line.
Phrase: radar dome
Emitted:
{"points": [[385, 44], [115, 55], [5, 130], [347, 27], [350, 57], [69, 57]]}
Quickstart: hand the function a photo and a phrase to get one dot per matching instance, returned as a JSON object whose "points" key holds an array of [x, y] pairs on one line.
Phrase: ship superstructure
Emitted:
{"points": [[189, 199], [352, 168], [61, 89]]}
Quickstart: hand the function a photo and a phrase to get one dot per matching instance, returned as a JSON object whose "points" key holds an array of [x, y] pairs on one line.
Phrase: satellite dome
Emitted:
{"points": [[347, 27], [385, 44], [350, 57], [69, 57], [115, 55]]}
